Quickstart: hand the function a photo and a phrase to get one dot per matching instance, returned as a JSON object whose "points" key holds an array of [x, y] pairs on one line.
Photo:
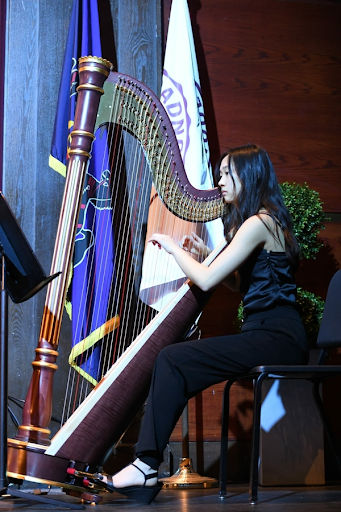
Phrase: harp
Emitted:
{"points": [[134, 118]]}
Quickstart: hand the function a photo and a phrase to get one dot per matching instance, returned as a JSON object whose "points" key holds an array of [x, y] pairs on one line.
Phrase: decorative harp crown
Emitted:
{"points": [[133, 106]]}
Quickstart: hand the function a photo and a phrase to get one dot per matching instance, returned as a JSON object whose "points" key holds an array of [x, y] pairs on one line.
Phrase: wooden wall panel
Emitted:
{"points": [[36, 37], [270, 72], [137, 33]]}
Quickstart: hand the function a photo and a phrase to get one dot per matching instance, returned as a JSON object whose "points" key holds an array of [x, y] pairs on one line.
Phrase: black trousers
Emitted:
{"points": [[183, 370]]}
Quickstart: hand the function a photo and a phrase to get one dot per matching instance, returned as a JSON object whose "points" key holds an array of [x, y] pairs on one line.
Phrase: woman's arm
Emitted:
{"points": [[250, 235], [232, 281]]}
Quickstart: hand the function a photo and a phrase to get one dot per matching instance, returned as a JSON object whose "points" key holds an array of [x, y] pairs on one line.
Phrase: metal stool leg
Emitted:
{"points": [[257, 399], [224, 439]]}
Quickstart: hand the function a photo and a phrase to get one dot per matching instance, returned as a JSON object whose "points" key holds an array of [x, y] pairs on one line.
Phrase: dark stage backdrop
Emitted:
{"points": [[2, 76], [270, 73]]}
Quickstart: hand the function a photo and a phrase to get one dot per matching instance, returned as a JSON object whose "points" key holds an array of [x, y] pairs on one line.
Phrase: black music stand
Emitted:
{"points": [[21, 278]]}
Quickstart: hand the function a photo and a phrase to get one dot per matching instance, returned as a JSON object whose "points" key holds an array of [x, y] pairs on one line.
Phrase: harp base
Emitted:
{"points": [[28, 462]]}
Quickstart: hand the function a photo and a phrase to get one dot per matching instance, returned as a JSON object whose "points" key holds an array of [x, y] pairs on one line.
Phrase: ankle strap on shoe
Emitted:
{"points": [[146, 477]]}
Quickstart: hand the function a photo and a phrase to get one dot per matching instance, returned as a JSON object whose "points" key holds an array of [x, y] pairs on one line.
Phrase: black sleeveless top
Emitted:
{"points": [[267, 282]]}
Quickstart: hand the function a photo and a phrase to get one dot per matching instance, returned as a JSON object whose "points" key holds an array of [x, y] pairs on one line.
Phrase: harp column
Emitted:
{"points": [[37, 412]]}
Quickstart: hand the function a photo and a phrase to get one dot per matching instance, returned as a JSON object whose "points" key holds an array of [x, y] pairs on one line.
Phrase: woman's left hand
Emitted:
{"points": [[163, 241], [195, 245]]}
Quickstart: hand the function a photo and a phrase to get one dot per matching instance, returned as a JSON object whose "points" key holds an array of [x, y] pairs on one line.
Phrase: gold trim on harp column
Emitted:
{"points": [[79, 152], [15, 443], [94, 68], [83, 133], [90, 86], [46, 352], [99, 60], [31, 428], [44, 364]]}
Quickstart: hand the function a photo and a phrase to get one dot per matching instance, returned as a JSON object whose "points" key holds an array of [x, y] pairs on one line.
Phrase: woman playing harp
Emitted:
{"points": [[259, 261]]}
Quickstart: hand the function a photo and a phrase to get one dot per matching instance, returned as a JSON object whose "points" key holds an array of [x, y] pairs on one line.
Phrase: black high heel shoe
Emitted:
{"points": [[142, 493]]}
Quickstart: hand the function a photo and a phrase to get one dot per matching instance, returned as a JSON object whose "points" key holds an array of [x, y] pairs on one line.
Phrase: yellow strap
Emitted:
{"points": [[95, 336], [84, 374], [56, 165], [88, 342]]}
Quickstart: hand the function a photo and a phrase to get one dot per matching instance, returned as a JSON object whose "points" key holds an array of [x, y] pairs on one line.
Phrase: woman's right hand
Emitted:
{"points": [[163, 241]]}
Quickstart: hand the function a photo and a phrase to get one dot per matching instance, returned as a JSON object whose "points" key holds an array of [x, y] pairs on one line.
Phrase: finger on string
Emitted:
{"points": [[154, 242]]}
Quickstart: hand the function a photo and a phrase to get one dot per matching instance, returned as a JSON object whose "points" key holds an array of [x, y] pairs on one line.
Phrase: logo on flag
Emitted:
{"points": [[174, 101]]}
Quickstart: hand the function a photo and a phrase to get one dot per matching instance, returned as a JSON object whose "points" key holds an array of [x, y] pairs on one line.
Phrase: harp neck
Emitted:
{"points": [[132, 105]]}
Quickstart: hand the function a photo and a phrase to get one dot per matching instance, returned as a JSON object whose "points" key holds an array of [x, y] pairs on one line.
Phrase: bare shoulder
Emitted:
{"points": [[274, 236], [252, 231], [258, 223]]}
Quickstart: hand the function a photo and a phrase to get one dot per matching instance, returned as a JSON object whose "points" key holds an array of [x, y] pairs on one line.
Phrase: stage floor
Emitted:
{"points": [[283, 499]]}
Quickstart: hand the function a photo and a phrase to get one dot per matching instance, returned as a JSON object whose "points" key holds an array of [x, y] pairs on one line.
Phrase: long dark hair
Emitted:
{"points": [[259, 190]]}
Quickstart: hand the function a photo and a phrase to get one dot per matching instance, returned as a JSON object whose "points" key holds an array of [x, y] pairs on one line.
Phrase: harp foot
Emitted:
{"points": [[86, 497]]}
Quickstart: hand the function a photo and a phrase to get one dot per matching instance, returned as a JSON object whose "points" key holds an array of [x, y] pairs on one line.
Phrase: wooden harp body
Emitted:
{"points": [[134, 118]]}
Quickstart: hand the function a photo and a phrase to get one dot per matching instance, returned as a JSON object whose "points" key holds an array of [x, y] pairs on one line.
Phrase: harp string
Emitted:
{"points": [[126, 152], [116, 176], [134, 223], [144, 188], [136, 163], [128, 276], [76, 387]]}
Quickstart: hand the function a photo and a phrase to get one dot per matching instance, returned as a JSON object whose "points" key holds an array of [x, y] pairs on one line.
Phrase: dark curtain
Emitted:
{"points": [[2, 77]]}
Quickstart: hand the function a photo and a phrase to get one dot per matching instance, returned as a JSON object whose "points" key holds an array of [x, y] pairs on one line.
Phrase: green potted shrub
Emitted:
{"points": [[308, 217]]}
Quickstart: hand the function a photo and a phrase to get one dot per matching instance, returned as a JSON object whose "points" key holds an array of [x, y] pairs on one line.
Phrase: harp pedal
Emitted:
{"points": [[92, 481]]}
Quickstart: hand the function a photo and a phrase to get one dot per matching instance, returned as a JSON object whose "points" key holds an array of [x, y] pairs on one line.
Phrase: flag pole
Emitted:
{"points": [[185, 477]]}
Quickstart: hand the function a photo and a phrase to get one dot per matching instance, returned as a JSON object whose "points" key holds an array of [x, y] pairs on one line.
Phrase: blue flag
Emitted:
{"points": [[83, 39], [94, 254]]}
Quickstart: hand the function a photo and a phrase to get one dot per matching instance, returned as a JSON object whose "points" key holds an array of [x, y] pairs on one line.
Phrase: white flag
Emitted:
{"points": [[181, 97]]}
